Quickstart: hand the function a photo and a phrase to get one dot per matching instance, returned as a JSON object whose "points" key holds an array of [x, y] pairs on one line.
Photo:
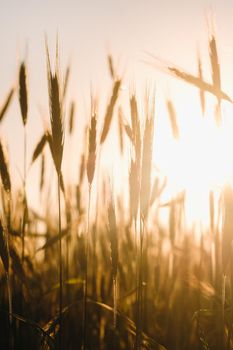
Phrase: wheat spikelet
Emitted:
{"points": [[92, 150], [5, 176], [110, 110], [6, 104], [23, 98]]}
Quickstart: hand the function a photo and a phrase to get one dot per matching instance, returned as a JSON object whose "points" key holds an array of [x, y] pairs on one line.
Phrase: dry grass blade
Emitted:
{"points": [[51, 241], [6, 104], [71, 117], [110, 110], [23, 99], [172, 118], [147, 342], [39, 147], [36, 326], [92, 150], [56, 117], [3, 248], [5, 176]]}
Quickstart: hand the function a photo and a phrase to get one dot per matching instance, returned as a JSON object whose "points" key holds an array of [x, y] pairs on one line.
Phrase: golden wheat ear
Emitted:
{"points": [[56, 113], [110, 110], [23, 95], [4, 172], [92, 150]]}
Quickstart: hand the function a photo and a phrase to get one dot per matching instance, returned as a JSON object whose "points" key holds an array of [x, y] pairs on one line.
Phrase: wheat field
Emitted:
{"points": [[104, 268]]}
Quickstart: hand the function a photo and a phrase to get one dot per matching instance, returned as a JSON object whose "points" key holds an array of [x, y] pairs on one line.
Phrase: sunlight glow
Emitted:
{"points": [[199, 161]]}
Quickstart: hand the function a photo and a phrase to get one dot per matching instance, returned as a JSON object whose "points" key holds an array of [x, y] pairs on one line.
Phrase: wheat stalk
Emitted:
{"points": [[56, 142]]}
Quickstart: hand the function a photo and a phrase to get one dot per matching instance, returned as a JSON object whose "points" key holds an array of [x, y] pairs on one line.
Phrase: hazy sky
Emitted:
{"points": [[171, 29]]}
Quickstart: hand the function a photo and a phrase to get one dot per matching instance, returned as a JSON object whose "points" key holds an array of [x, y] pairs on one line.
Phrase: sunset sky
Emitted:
{"points": [[88, 30]]}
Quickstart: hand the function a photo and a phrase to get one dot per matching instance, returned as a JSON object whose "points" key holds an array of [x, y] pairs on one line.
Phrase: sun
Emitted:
{"points": [[199, 161]]}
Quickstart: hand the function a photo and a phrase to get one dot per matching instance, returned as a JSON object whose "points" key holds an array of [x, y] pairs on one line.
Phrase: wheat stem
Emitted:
{"points": [[60, 261]]}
